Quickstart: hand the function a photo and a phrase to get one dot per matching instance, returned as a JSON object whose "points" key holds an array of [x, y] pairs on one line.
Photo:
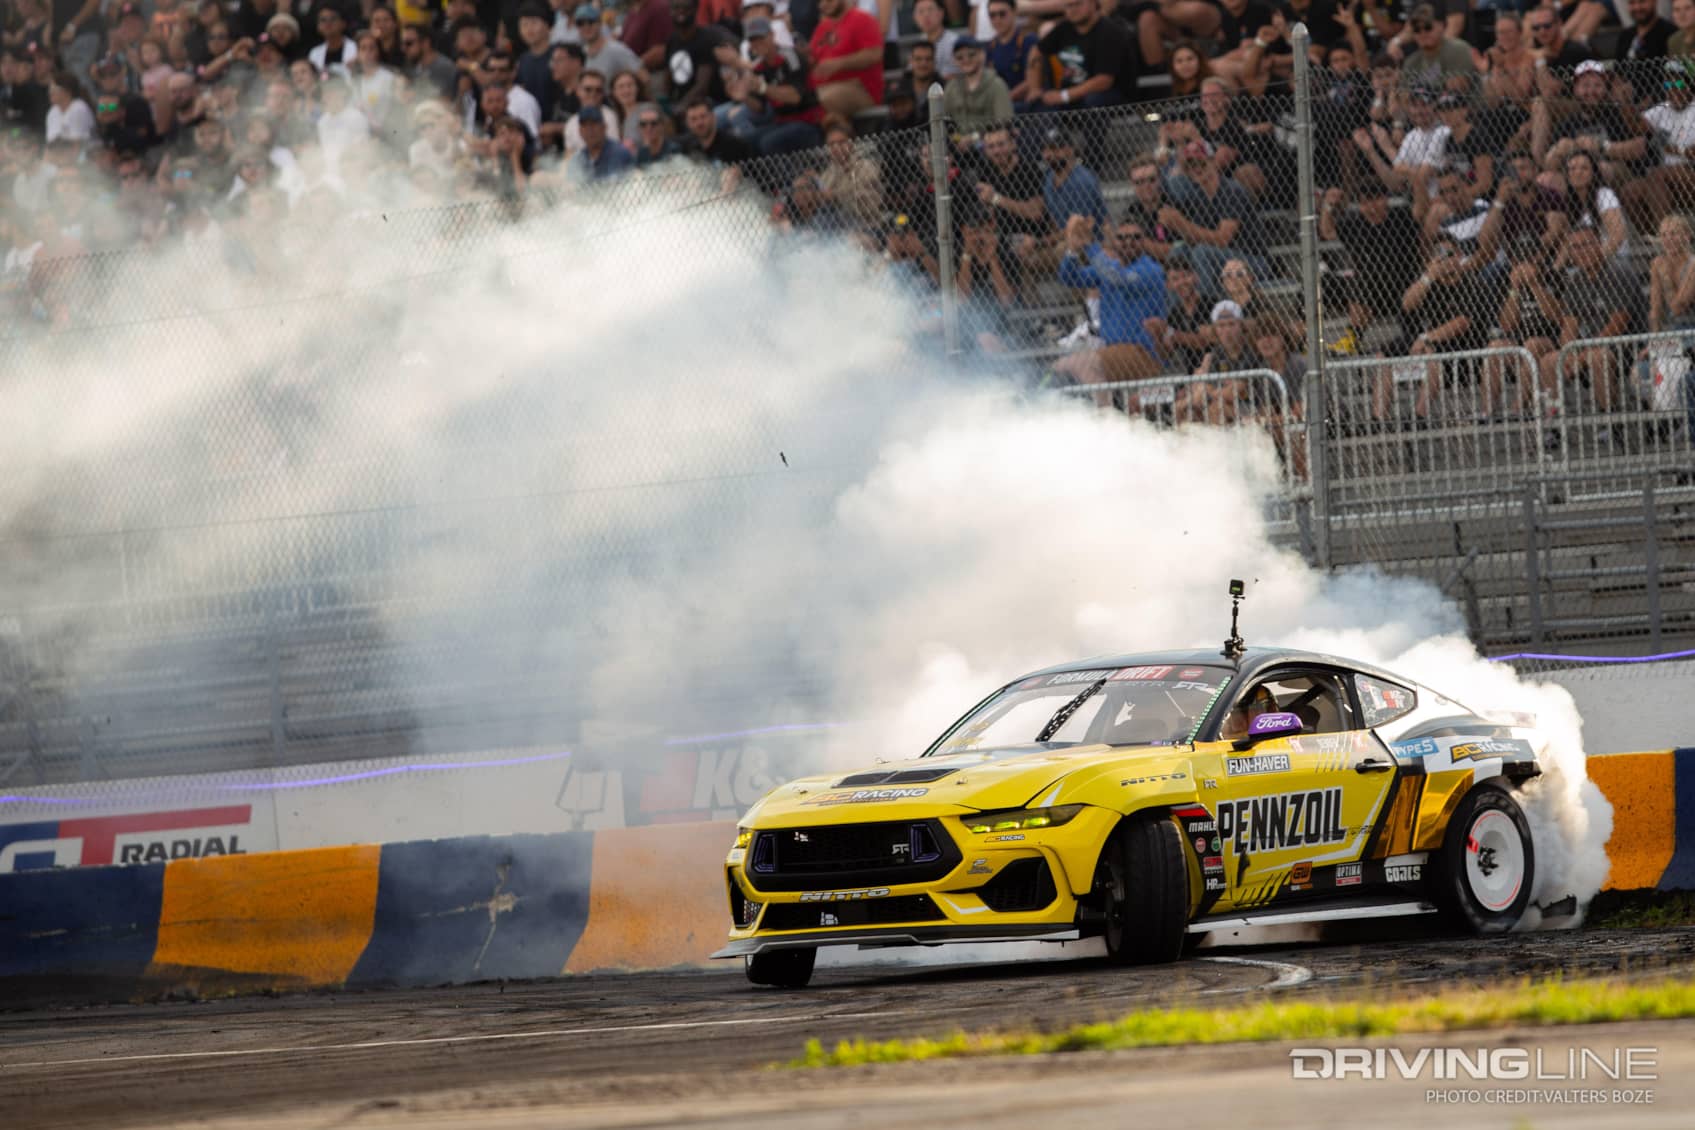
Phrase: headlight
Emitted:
{"points": [[744, 837], [1019, 819]]}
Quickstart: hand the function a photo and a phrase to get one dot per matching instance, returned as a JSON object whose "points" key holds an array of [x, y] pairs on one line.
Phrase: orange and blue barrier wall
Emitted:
{"points": [[511, 907]]}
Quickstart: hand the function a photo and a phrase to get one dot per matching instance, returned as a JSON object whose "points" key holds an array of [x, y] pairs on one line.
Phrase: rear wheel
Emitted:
{"points": [[1144, 881], [786, 969], [1488, 862]]}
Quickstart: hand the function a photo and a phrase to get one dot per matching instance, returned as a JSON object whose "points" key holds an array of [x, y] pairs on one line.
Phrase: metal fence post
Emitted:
{"points": [[944, 218], [1532, 563], [1318, 413], [1651, 559]]}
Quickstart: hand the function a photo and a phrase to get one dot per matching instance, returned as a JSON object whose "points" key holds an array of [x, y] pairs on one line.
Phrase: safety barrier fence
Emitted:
{"points": [[1625, 404], [489, 908]]}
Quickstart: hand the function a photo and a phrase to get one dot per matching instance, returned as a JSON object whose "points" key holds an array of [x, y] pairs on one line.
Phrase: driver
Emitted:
{"points": [[1242, 715]]}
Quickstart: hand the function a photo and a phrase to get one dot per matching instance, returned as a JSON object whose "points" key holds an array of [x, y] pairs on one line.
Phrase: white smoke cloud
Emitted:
{"points": [[666, 472]]}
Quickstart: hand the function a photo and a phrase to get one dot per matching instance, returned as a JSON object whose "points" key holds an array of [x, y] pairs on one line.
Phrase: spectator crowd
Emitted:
{"points": [[1496, 176]]}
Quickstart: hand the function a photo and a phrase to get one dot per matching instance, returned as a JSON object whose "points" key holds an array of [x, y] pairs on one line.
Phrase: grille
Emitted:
{"points": [[896, 777], [865, 912], [848, 855], [1024, 884], [744, 912]]}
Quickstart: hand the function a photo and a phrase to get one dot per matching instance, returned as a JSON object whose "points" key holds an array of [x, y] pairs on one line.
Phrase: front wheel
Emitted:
{"points": [[1488, 862], [1145, 883], [786, 969]]}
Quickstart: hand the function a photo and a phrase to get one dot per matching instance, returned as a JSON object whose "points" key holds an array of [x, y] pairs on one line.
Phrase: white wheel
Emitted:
{"points": [[1488, 862], [1494, 860]]}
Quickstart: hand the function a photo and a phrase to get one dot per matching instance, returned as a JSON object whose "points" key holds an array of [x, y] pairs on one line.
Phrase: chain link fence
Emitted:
{"points": [[1509, 300]]}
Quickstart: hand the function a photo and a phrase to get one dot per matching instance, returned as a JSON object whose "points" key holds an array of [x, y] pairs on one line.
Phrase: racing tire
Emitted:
{"points": [[1146, 887], [784, 969], [1488, 863]]}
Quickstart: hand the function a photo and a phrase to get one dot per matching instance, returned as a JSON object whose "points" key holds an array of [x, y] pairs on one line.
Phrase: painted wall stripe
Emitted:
{"points": [[658, 897], [95, 922], [1642, 789], [1680, 872], [302, 917], [479, 908]]}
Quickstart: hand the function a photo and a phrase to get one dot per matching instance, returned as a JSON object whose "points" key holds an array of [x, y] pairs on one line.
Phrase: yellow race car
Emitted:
{"points": [[1145, 798]]}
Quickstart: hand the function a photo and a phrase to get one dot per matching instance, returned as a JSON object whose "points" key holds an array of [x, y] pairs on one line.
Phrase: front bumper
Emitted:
{"points": [[898, 936]]}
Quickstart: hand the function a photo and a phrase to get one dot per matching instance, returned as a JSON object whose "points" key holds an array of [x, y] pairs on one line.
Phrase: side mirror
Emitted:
{"points": [[1275, 724]]}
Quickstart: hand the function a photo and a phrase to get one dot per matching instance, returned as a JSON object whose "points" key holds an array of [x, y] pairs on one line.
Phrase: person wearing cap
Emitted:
{"points": [[1214, 216], [780, 31], [1217, 402], [599, 158], [1131, 284], [1650, 198], [1430, 56], [123, 121], [1422, 150], [779, 111], [1469, 147], [1612, 134], [1068, 189], [1088, 52], [975, 98], [601, 52]]}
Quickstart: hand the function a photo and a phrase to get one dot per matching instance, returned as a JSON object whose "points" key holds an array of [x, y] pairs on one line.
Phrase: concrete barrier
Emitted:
{"points": [[500, 907]]}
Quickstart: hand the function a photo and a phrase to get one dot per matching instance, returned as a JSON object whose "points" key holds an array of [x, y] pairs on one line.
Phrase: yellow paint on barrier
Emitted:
{"points": [[303, 917], [657, 897], [1642, 789]]}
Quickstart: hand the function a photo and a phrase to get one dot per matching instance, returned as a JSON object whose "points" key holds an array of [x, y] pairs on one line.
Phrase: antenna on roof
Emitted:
{"points": [[1233, 647]]}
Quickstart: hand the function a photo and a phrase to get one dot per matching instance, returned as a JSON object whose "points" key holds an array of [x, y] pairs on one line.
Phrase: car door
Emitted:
{"points": [[1296, 812]]}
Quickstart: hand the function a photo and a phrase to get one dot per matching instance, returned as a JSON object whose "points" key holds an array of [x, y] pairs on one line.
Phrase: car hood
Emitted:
{"points": [[976, 781]]}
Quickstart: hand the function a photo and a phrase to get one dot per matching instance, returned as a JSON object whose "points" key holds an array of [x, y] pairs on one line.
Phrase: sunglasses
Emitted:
{"points": [[650, 123], [1144, 180], [587, 22], [1420, 29], [1541, 27]]}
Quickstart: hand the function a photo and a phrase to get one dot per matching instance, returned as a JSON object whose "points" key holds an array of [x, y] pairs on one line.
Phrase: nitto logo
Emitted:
{"points": [[844, 896]]}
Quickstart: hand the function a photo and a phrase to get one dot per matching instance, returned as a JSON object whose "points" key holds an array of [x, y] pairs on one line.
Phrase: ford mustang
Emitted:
{"points": [[1142, 799]]}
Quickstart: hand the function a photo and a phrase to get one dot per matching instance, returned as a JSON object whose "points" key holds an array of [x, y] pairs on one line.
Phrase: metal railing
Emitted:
{"points": [[1626, 402]]}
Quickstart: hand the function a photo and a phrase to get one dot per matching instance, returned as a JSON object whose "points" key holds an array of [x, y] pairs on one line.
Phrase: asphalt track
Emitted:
{"points": [[691, 1048]]}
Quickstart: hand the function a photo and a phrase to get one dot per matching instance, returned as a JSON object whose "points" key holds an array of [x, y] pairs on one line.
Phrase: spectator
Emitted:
{"points": [[1672, 123], [1214, 217], [928, 15], [1068, 189], [607, 56], [1187, 69], [1681, 45], [1009, 51], [1132, 291], [1530, 317], [1147, 189], [805, 208], [437, 146], [1521, 210], [850, 179], [921, 74], [1237, 283], [1217, 402], [565, 71], [1441, 308], [341, 126], [646, 29], [591, 91], [1087, 52], [692, 56], [1553, 52], [1437, 56], [707, 142], [374, 85], [780, 111], [535, 29], [512, 155], [599, 158], [1458, 213], [69, 116], [1423, 149], [1181, 333], [1671, 278], [628, 91], [500, 69], [1269, 335], [335, 53], [1613, 134], [1648, 40], [1510, 64], [847, 59], [1156, 24], [385, 25], [780, 31], [985, 291], [1264, 56], [23, 100], [282, 29], [470, 47], [1219, 128], [1598, 300], [31, 183], [1590, 204], [976, 98], [654, 142], [1581, 19], [425, 65], [122, 121], [1469, 151]]}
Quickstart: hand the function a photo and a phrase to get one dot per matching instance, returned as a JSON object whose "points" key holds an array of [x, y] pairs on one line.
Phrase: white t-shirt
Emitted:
{"points": [[1423, 146], [1675, 129], [337, 132], [319, 57], [375, 94], [521, 104], [74, 123]]}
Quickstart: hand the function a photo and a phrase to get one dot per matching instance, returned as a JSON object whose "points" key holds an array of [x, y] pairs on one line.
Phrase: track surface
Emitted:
{"points": [[689, 1040]]}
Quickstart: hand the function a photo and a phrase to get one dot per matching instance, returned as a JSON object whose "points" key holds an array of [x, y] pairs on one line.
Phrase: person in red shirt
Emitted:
{"points": [[646, 30], [847, 59]]}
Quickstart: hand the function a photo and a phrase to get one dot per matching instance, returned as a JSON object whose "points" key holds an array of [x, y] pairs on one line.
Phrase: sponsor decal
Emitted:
{"points": [[1137, 674], [142, 837], [844, 896], [979, 867], [1301, 872], [1404, 873], [1200, 844], [1213, 861], [1187, 686], [1208, 783], [1191, 673], [1004, 838], [1348, 875], [1283, 820], [1214, 883], [1418, 747], [1202, 830], [1153, 777], [159, 851], [1067, 677], [1258, 763], [1325, 743], [864, 796], [1490, 747]]}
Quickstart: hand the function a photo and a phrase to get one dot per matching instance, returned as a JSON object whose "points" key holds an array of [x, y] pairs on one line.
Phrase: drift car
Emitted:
{"points": [[1144, 798]]}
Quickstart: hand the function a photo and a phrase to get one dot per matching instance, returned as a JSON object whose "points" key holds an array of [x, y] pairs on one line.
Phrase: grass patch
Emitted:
{"points": [[1614, 910], [1533, 1003]]}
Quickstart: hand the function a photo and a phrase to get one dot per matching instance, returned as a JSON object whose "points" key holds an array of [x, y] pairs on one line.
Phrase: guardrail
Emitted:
{"points": [[1622, 402]]}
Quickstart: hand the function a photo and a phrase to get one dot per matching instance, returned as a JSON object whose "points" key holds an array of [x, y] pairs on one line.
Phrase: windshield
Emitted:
{"points": [[1158, 705]]}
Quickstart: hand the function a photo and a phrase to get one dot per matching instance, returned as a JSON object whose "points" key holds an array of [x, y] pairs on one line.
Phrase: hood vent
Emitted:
{"points": [[895, 777]]}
